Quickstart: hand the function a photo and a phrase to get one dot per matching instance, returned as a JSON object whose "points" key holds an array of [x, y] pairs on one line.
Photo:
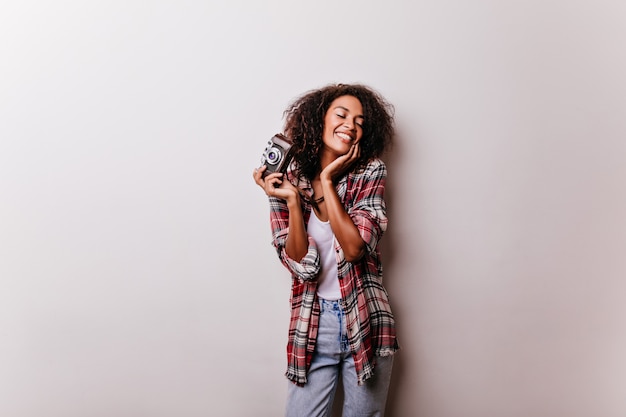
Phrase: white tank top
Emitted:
{"points": [[327, 281]]}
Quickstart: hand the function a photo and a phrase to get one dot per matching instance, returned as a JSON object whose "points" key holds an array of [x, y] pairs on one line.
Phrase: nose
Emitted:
{"points": [[349, 123]]}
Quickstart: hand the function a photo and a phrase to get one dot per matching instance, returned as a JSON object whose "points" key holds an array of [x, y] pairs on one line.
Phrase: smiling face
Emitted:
{"points": [[343, 126]]}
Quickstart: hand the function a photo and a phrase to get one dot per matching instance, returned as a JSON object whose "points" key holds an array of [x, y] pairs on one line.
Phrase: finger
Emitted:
{"points": [[273, 176], [345, 157], [355, 150], [258, 172], [259, 181], [271, 184], [353, 153], [258, 178]]}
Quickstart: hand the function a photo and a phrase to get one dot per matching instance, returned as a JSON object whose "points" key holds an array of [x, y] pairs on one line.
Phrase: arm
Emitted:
{"points": [[345, 230], [297, 244], [274, 186], [368, 209], [296, 250], [367, 214]]}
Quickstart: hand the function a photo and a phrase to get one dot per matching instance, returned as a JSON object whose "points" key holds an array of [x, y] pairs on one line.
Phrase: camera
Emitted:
{"points": [[277, 155]]}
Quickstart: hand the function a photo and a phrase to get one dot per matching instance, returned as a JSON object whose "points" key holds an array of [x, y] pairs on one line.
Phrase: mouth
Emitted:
{"points": [[345, 137]]}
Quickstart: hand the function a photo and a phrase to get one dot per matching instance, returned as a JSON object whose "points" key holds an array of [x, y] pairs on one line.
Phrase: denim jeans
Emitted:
{"points": [[332, 360]]}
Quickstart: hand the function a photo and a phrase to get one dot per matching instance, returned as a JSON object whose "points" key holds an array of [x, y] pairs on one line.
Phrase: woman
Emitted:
{"points": [[327, 215]]}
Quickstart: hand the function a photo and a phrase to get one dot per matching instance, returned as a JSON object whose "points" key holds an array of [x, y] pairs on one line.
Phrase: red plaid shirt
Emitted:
{"points": [[369, 320]]}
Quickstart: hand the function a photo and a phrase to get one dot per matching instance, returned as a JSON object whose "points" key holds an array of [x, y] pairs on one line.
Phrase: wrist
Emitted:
{"points": [[326, 180], [293, 202], [328, 186]]}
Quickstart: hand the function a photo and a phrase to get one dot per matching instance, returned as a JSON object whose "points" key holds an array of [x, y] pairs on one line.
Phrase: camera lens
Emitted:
{"points": [[273, 156]]}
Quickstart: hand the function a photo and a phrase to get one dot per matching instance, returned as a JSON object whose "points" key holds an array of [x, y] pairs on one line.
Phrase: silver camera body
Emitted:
{"points": [[277, 155]]}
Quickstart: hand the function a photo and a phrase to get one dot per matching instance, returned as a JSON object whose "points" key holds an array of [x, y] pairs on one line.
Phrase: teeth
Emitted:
{"points": [[344, 136]]}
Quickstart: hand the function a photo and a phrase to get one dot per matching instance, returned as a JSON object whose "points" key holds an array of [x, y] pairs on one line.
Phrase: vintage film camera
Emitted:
{"points": [[277, 154]]}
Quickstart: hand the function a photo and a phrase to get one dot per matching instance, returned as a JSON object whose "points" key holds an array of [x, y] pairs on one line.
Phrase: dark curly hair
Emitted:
{"points": [[304, 124]]}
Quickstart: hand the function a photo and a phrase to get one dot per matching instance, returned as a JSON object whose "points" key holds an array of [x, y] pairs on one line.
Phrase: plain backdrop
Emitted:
{"points": [[137, 277]]}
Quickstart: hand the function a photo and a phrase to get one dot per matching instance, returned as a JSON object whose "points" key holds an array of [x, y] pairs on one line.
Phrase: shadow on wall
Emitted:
{"points": [[394, 282]]}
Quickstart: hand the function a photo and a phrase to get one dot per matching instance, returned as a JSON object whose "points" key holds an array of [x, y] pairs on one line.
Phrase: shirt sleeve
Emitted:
{"points": [[368, 210], [308, 267]]}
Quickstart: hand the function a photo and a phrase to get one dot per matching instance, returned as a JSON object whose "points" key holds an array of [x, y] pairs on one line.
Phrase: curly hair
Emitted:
{"points": [[304, 124]]}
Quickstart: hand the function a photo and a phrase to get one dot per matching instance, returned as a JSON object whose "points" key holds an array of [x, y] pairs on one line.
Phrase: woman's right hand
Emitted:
{"points": [[274, 185]]}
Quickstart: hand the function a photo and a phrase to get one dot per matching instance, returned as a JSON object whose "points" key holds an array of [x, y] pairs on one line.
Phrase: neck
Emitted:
{"points": [[325, 159]]}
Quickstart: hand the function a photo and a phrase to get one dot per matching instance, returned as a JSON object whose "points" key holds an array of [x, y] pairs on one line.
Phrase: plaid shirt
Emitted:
{"points": [[369, 320]]}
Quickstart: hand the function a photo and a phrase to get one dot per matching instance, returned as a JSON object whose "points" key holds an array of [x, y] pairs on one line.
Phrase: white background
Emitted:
{"points": [[136, 272]]}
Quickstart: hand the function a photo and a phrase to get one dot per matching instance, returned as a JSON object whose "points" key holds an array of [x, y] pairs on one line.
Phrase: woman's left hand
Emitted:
{"points": [[341, 165]]}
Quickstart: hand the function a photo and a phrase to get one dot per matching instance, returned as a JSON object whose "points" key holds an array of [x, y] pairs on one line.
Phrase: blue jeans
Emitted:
{"points": [[331, 360]]}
